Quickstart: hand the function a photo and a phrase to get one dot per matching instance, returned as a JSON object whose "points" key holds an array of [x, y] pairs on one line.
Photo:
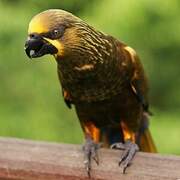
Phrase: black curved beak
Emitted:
{"points": [[36, 46]]}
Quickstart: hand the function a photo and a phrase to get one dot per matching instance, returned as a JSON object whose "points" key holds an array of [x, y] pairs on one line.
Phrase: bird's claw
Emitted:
{"points": [[130, 150], [90, 149]]}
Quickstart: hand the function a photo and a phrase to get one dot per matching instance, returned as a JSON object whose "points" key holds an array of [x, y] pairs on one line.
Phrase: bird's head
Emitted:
{"points": [[52, 32]]}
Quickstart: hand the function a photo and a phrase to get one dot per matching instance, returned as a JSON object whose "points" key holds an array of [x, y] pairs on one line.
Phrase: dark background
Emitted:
{"points": [[31, 105]]}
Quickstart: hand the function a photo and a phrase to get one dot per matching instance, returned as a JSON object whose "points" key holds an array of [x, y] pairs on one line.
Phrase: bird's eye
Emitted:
{"points": [[56, 32]]}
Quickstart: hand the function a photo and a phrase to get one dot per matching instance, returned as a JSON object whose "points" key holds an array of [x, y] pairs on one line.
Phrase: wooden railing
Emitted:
{"points": [[33, 160]]}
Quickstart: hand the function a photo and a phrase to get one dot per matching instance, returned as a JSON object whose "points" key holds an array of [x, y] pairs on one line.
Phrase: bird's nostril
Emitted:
{"points": [[34, 35]]}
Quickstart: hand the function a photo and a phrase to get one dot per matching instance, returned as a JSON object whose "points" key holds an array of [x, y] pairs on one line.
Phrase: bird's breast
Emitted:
{"points": [[91, 83]]}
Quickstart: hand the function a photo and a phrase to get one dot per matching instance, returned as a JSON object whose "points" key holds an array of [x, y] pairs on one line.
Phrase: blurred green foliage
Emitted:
{"points": [[31, 105]]}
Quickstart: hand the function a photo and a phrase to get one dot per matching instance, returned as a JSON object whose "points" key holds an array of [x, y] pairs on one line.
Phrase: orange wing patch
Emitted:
{"points": [[132, 53], [86, 67], [66, 95], [67, 98], [91, 130], [128, 134]]}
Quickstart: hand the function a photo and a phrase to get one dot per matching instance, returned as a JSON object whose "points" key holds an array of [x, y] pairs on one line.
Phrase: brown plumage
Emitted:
{"points": [[100, 75]]}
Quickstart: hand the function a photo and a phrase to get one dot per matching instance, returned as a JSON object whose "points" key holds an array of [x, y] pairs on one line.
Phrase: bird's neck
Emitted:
{"points": [[91, 53], [87, 74]]}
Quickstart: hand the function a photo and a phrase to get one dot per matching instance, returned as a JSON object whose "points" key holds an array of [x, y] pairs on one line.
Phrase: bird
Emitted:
{"points": [[102, 78]]}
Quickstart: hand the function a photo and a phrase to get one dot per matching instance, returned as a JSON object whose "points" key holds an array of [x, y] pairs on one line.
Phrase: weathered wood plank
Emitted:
{"points": [[33, 160]]}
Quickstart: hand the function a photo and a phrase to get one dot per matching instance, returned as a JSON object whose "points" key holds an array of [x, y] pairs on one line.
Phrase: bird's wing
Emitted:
{"points": [[138, 81], [67, 98]]}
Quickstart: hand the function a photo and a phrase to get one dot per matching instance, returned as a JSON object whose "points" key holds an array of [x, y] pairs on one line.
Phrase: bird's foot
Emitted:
{"points": [[130, 150], [90, 149]]}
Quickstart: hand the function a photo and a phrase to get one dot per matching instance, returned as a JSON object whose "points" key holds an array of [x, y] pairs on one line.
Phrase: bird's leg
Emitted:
{"points": [[91, 146], [130, 150], [90, 149], [129, 146]]}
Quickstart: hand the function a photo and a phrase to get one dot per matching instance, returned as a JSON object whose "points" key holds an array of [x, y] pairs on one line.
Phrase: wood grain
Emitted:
{"points": [[34, 160]]}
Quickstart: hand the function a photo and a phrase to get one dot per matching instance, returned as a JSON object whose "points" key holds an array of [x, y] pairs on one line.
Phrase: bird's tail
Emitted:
{"points": [[144, 138], [146, 142]]}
